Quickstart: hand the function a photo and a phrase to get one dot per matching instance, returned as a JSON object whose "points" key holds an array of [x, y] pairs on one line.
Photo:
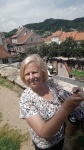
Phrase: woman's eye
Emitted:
{"points": [[34, 72], [27, 74]]}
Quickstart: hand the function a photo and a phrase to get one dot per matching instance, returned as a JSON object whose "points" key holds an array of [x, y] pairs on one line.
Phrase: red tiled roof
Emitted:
{"points": [[17, 33], [48, 39], [57, 33], [4, 53], [24, 38], [68, 34], [79, 36]]}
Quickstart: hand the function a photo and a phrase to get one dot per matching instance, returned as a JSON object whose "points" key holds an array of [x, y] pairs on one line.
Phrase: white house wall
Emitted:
{"points": [[14, 40], [55, 39]]}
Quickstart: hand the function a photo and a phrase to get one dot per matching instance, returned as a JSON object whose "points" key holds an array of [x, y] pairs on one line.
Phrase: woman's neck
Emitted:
{"points": [[42, 90]]}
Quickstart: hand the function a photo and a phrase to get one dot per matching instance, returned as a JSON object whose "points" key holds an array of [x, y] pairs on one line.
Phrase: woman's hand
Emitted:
{"points": [[81, 94], [72, 102], [76, 90]]}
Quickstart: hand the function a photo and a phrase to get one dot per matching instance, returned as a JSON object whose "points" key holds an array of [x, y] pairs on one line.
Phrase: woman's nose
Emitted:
{"points": [[31, 76]]}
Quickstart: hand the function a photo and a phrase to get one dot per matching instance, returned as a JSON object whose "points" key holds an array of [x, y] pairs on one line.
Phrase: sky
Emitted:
{"points": [[15, 13]]}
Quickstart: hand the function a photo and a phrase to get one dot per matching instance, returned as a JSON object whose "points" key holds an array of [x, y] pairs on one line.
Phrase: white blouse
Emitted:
{"points": [[32, 104]]}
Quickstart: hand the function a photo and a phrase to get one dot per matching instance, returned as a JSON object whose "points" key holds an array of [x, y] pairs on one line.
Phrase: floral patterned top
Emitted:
{"points": [[32, 104]]}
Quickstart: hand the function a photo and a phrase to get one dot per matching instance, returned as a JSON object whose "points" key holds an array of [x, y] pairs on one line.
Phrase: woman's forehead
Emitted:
{"points": [[32, 65]]}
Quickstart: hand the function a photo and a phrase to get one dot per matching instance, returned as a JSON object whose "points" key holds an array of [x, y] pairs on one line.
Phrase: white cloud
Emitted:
{"points": [[8, 25], [15, 13]]}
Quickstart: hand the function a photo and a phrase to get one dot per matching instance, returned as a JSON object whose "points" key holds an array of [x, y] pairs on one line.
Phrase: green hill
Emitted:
{"points": [[52, 25]]}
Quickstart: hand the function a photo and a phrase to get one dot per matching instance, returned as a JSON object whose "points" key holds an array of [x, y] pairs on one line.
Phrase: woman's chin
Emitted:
{"points": [[34, 85]]}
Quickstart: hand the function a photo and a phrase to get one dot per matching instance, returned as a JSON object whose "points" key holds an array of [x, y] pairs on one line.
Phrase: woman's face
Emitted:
{"points": [[33, 75]]}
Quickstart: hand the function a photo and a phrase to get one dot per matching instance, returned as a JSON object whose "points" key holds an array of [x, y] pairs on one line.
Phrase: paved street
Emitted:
{"points": [[62, 70]]}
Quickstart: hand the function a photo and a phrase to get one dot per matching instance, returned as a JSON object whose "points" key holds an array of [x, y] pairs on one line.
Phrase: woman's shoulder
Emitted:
{"points": [[25, 94], [26, 91]]}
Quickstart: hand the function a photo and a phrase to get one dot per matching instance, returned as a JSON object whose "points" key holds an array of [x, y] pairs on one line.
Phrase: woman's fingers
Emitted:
{"points": [[81, 94], [77, 89], [74, 100]]}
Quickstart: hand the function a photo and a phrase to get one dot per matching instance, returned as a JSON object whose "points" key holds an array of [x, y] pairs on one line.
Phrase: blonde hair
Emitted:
{"points": [[36, 59]]}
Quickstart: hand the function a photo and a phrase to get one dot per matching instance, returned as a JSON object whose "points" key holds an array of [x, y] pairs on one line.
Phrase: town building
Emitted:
{"points": [[60, 36], [5, 56], [22, 40]]}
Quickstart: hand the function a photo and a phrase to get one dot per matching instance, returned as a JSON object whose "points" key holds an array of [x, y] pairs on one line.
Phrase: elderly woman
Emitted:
{"points": [[40, 105]]}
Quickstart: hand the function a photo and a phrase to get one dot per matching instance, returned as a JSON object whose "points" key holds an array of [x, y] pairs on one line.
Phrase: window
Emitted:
{"points": [[5, 61], [31, 39]]}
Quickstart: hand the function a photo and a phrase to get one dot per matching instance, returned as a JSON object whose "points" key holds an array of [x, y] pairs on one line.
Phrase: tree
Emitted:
{"points": [[43, 50], [82, 49], [31, 50], [67, 47], [53, 50]]}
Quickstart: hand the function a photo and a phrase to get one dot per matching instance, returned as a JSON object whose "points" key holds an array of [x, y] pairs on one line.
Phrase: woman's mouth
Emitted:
{"points": [[34, 81]]}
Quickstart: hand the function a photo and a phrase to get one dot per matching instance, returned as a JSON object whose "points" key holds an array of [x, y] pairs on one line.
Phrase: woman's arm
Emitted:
{"points": [[49, 128]]}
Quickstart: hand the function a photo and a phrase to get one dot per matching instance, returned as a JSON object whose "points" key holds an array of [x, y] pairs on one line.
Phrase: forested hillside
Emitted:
{"points": [[52, 25]]}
